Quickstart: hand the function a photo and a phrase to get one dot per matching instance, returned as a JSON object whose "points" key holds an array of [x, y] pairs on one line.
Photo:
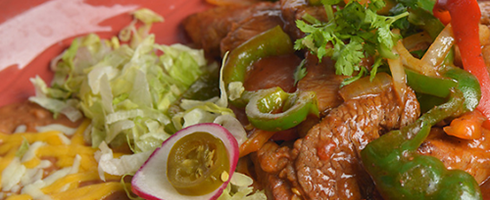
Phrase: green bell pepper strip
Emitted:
{"points": [[428, 101], [259, 106], [293, 108], [425, 20], [467, 83], [396, 167], [439, 87], [401, 173]]}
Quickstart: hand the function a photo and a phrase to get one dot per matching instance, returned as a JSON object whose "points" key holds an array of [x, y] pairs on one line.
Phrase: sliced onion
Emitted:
{"points": [[438, 50], [399, 78], [366, 86], [418, 40], [151, 181], [414, 63]]}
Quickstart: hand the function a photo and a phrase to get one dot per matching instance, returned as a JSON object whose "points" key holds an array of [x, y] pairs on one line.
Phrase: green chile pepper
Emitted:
{"points": [[262, 106], [401, 173], [292, 109], [269, 43]]}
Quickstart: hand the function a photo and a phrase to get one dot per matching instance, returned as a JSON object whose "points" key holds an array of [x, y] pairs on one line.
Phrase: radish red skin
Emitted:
{"points": [[150, 181]]}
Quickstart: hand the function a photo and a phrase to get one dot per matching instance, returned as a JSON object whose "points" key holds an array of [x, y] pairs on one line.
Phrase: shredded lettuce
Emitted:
{"points": [[22, 149], [126, 164], [240, 187], [12, 174], [57, 127], [20, 129], [30, 153], [213, 110], [147, 16], [125, 89]]}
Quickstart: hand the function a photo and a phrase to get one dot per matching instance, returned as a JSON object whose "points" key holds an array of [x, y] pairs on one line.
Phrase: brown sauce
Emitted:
{"points": [[31, 115], [53, 167], [485, 190], [118, 195]]}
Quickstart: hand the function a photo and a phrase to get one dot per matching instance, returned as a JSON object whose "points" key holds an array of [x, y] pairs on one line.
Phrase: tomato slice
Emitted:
{"points": [[198, 164]]}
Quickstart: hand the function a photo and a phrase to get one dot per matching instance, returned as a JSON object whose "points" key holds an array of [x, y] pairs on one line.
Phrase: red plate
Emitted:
{"points": [[32, 32]]}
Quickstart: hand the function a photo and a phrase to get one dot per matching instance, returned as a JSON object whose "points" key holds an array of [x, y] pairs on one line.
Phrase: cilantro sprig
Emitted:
{"points": [[353, 32]]}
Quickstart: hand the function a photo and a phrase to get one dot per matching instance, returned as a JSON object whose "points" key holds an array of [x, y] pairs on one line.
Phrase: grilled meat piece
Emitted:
{"points": [[325, 164], [258, 22], [207, 29], [293, 10], [322, 80]]}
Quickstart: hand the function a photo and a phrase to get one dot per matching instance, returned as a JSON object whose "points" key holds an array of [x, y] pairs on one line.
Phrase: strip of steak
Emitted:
{"points": [[258, 22], [325, 164], [321, 79], [207, 29], [293, 10]]}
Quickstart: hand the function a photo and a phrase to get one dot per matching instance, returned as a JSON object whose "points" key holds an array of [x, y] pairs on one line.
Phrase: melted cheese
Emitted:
{"points": [[54, 167]]}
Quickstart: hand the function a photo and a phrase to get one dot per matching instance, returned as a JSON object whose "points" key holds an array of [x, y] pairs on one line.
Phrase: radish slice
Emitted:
{"points": [[151, 180]]}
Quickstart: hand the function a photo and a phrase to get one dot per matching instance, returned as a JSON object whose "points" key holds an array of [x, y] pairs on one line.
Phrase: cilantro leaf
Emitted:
{"points": [[355, 32], [300, 72], [348, 81], [382, 25], [427, 5], [348, 57]]}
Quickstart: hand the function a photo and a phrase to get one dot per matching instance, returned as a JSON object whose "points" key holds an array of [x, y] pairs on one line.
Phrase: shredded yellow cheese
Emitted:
{"points": [[76, 176]]}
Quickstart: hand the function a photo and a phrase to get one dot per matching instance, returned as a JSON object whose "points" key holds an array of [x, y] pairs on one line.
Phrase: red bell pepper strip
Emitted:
{"points": [[465, 17], [441, 13], [256, 140], [467, 126]]}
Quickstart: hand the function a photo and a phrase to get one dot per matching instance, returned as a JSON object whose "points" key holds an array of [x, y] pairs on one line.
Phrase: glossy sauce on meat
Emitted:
{"points": [[271, 72], [321, 78]]}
